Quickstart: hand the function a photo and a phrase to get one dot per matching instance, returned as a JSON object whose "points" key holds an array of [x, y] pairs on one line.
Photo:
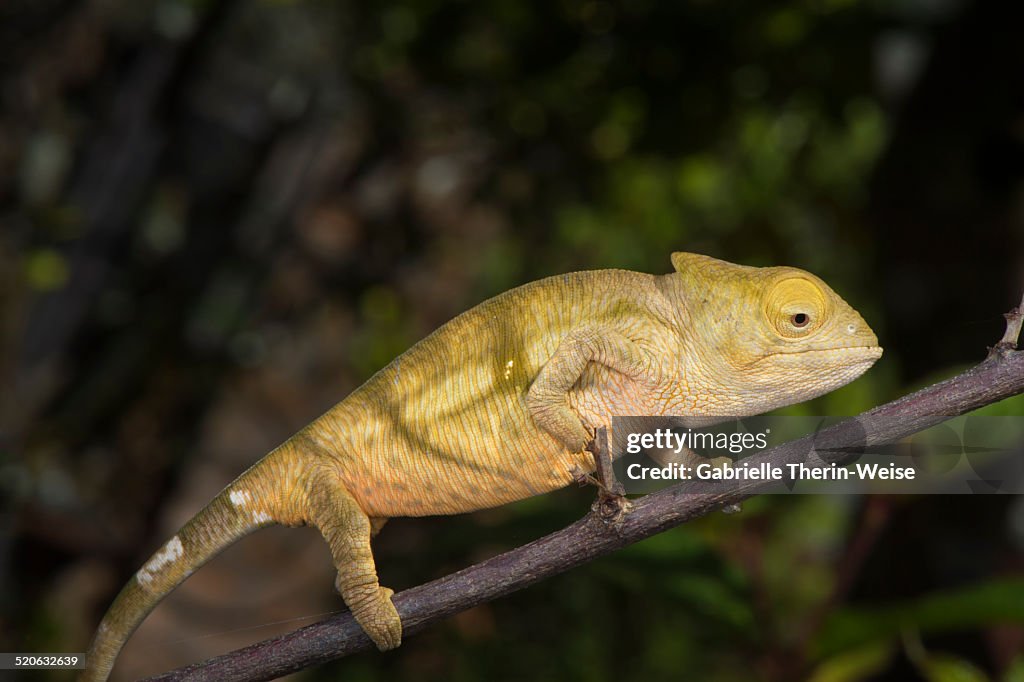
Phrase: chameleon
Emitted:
{"points": [[502, 402]]}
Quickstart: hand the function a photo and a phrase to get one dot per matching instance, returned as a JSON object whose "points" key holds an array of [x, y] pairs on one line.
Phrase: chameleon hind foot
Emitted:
{"points": [[379, 618]]}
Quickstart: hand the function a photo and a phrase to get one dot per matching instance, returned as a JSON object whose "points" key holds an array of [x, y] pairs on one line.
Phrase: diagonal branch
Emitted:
{"points": [[999, 376]]}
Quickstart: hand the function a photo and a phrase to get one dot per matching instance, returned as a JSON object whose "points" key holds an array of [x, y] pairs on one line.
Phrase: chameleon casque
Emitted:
{"points": [[500, 404]]}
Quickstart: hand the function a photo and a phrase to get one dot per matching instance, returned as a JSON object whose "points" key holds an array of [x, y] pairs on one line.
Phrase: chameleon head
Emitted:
{"points": [[780, 333]]}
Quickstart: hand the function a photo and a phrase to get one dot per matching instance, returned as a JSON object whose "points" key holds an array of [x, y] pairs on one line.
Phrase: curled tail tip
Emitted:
{"points": [[234, 513], [99, 659], [239, 509]]}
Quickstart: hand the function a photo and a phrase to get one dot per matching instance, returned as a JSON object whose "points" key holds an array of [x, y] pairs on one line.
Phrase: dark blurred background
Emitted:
{"points": [[217, 218]]}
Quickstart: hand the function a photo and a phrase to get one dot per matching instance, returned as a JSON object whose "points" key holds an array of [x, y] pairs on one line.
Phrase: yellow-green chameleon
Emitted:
{"points": [[500, 404]]}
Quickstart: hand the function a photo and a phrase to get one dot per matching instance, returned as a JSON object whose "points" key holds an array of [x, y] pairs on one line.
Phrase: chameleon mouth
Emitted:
{"points": [[842, 355], [873, 351], [850, 354]]}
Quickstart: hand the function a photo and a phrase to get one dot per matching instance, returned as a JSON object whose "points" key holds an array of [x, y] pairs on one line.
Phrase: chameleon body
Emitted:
{"points": [[500, 404]]}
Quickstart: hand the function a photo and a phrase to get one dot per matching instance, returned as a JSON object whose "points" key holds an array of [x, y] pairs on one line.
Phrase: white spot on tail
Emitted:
{"points": [[261, 517], [508, 368], [170, 553], [240, 498]]}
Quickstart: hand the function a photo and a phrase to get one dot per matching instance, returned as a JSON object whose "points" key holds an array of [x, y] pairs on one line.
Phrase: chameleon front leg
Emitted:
{"points": [[547, 401], [611, 502], [347, 530], [604, 474], [376, 523], [547, 398]]}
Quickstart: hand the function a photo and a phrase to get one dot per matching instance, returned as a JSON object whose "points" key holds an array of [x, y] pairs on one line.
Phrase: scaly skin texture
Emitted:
{"points": [[500, 403]]}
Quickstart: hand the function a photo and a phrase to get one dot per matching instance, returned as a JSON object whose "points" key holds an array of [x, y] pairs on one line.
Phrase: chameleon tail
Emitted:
{"points": [[248, 503]]}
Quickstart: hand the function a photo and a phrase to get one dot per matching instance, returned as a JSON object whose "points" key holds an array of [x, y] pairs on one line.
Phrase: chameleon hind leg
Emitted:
{"points": [[347, 530]]}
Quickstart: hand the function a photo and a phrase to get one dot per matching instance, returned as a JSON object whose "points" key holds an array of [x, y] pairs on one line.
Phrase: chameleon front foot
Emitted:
{"points": [[611, 508]]}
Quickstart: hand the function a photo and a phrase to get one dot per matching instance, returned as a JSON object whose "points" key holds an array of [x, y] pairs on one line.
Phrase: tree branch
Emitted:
{"points": [[999, 376]]}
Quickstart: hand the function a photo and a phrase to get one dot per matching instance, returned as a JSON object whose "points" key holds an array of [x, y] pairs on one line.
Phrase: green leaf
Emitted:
{"points": [[940, 667], [946, 668], [858, 664], [998, 601], [1015, 673]]}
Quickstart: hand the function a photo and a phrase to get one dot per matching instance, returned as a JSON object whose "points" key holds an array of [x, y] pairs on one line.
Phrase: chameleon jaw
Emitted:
{"points": [[858, 353]]}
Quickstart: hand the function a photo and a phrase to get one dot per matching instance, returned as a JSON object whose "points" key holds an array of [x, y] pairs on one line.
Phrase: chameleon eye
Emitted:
{"points": [[795, 307]]}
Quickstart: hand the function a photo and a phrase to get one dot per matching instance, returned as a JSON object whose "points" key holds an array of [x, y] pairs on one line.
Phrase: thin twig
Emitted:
{"points": [[1014, 321], [1000, 376]]}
